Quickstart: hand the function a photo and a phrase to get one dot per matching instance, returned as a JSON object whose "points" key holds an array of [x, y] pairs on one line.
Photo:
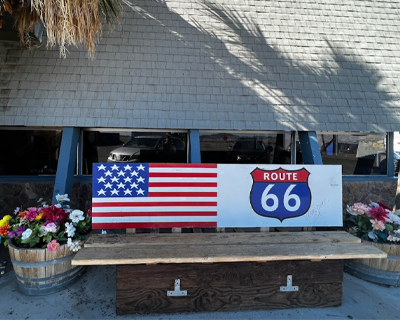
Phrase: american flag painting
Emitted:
{"points": [[154, 195]]}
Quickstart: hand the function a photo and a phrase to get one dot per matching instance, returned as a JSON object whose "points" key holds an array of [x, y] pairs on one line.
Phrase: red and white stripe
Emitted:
{"points": [[180, 196]]}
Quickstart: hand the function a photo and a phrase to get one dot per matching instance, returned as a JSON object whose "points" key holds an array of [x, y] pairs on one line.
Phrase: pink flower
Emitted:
{"points": [[378, 225], [32, 213], [360, 208], [53, 245]]}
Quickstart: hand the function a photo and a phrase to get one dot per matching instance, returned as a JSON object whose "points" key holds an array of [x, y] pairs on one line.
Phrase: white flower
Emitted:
{"points": [[62, 197], [51, 227], [76, 216], [26, 234], [43, 230], [391, 238], [395, 218], [70, 229], [374, 204], [74, 245]]}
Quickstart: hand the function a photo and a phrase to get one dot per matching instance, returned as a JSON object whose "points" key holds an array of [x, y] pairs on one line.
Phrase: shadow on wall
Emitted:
{"points": [[320, 94], [268, 85]]}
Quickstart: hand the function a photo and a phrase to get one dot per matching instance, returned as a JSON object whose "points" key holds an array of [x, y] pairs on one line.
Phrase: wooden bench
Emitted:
{"points": [[194, 272]]}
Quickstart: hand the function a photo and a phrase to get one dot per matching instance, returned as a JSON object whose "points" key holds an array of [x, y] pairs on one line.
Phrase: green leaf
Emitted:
{"points": [[388, 227]]}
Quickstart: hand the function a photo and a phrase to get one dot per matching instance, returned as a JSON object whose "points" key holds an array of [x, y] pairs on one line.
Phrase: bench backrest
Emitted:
{"points": [[161, 195]]}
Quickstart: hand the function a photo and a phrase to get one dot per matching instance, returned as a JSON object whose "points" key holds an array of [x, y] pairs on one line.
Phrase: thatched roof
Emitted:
{"points": [[67, 22]]}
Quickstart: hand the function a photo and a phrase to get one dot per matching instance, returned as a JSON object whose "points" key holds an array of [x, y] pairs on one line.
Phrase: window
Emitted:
{"points": [[133, 146], [359, 154], [234, 147], [29, 152]]}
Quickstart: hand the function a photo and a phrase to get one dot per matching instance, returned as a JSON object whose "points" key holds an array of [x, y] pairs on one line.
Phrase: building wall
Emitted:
{"points": [[25, 194], [228, 65]]}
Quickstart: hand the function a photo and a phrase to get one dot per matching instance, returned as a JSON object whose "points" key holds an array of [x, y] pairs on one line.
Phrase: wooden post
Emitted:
{"points": [[66, 162], [397, 198], [194, 146]]}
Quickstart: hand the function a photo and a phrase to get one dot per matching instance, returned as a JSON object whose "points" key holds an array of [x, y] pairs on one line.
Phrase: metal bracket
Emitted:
{"points": [[289, 286], [177, 292]]}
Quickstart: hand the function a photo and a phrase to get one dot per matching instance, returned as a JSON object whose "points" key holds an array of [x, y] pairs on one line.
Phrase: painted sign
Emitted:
{"points": [[280, 193], [154, 195]]}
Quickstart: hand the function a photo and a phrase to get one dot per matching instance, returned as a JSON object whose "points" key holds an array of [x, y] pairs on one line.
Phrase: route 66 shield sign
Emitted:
{"points": [[280, 193]]}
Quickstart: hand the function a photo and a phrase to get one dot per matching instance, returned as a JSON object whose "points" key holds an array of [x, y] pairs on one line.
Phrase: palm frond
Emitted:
{"points": [[110, 9], [67, 22]]}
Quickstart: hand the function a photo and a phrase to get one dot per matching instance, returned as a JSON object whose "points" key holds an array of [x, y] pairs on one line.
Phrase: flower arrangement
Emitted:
{"points": [[46, 226], [374, 222]]}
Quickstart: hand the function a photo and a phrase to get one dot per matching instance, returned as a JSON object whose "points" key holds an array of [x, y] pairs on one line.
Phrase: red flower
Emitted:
{"points": [[23, 214], [53, 213], [379, 214], [89, 213], [384, 206], [4, 230]]}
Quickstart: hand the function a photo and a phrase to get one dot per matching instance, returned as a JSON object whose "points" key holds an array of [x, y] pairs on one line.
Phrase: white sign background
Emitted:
{"points": [[235, 210]]}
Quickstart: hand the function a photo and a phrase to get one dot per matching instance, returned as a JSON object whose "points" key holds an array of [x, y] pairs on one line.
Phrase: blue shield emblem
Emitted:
{"points": [[280, 193]]}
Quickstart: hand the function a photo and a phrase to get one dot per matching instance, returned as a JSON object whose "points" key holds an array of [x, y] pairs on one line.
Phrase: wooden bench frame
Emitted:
{"points": [[194, 272]]}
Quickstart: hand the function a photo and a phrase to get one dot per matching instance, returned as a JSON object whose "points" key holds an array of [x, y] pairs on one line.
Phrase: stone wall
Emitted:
{"points": [[26, 194], [367, 191]]}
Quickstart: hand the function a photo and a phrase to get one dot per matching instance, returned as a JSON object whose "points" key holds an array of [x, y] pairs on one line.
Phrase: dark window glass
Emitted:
{"points": [[126, 147], [358, 154], [29, 152], [232, 147]]}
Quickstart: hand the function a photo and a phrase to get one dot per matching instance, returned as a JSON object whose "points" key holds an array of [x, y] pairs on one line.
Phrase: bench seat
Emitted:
{"points": [[114, 249], [197, 272]]}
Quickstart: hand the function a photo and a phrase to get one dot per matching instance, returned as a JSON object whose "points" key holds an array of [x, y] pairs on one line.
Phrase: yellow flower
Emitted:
{"points": [[39, 216], [5, 220]]}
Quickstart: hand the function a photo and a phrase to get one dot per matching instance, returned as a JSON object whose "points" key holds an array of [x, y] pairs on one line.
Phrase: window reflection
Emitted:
{"points": [[130, 147], [358, 154], [29, 152], [231, 147]]}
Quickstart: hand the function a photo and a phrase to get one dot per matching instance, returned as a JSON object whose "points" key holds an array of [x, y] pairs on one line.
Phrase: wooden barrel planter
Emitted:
{"points": [[41, 272], [383, 271]]}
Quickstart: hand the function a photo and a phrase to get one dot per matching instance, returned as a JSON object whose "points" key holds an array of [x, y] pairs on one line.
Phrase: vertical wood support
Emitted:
{"points": [[310, 151], [66, 162], [293, 159], [390, 154], [194, 146], [310, 147]]}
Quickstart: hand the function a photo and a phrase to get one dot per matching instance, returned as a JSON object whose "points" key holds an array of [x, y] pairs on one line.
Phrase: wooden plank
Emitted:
{"points": [[209, 299], [227, 287], [189, 253], [139, 239], [234, 274]]}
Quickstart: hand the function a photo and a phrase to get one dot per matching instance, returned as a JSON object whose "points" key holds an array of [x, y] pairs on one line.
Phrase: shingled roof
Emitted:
{"points": [[319, 65]]}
